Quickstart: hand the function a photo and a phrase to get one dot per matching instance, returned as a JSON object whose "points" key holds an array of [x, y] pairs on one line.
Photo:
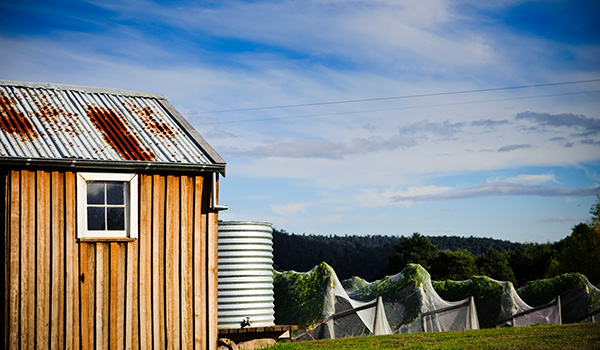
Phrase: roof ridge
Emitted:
{"points": [[81, 88]]}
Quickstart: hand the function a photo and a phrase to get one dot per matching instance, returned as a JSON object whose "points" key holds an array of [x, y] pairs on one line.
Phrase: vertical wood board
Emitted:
{"points": [[199, 257], [172, 263], [42, 258], [15, 260], [145, 262], [158, 259], [186, 243], [28, 268], [58, 260]]}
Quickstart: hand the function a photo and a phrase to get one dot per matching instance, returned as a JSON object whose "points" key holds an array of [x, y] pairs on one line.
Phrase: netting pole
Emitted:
{"points": [[330, 328], [376, 325], [473, 313], [559, 310]]}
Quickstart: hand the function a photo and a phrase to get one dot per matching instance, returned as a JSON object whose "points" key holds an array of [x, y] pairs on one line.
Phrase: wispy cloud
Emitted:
{"points": [[533, 178], [509, 148], [587, 126], [371, 197], [503, 189], [560, 219], [590, 142], [425, 128], [330, 149], [489, 123], [289, 208]]}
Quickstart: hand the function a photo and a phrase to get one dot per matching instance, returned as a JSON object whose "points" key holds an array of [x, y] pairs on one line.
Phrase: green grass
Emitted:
{"points": [[554, 337]]}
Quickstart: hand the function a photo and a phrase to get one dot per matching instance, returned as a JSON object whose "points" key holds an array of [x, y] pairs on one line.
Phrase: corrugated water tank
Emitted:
{"points": [[245, 287]]}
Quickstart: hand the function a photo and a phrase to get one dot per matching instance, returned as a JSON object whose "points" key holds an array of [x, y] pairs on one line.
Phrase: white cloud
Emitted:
{"points": [[509, 148], [404, 36], [289, 208], [533, 178], [489, 123], [493, 189], [560, 219], [586, 126], [374, 197], [329, 149], [424, 128]]}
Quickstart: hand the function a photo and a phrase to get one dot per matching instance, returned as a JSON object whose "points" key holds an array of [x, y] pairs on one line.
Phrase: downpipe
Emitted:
{"points": [[215, 206]]}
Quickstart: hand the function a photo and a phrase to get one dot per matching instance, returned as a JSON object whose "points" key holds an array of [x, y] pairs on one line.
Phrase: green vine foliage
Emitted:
{"points": [[540, 292], [299, 297], [354, 284], [452, 290], [390, 288], [480, 287], [486, 292], [399, 292], [578, 296]]}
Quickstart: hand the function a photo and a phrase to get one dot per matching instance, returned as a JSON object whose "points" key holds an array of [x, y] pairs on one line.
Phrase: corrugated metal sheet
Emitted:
{"points": [[45, 121]]}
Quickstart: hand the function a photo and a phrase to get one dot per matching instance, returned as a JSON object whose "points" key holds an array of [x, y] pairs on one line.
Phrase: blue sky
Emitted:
{"points": [[468, 118]]}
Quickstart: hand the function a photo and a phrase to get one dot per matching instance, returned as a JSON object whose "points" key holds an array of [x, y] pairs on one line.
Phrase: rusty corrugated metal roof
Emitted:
{"points": [[96, 126]]}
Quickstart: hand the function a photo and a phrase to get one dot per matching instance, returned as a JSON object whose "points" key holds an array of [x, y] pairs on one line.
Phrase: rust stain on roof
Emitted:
{"points": [[50, 114], [117, 135], [13, 120], [159, 129], [146, 115]]}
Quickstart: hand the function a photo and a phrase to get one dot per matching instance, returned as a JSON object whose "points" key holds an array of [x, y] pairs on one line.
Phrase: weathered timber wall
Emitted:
{"points": [[157, 291]]}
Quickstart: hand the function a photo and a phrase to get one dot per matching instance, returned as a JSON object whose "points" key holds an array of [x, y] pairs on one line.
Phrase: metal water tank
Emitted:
{"points": [[245, 270]]}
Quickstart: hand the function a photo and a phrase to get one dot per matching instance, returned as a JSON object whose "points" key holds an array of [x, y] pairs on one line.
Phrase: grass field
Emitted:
{"points": [[554, 337]]}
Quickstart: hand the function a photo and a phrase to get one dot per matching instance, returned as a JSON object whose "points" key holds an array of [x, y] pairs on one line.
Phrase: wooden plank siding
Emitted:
{"points": [[58, 261], [158, 291]]}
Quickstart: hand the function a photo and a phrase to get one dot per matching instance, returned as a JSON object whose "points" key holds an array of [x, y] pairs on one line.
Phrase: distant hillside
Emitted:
{"points": [[364, 256], [477, 246]]}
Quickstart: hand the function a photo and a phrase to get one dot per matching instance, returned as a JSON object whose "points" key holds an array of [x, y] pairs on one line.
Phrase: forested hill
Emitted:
{"points": [[475, 245], [364, 256]]}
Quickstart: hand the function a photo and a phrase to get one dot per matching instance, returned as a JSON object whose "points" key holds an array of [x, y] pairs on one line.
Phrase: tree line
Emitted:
{"points": [[445, 257]]}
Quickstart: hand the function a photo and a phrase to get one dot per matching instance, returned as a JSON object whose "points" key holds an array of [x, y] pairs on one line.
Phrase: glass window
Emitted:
{"points": [[107, 205]]}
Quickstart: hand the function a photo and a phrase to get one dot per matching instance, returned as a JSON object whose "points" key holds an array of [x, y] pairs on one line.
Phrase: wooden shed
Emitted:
{"points": [[110, 221]]}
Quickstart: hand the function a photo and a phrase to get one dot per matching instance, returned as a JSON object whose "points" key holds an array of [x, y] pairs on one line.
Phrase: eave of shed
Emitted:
{"points": [[64, 125]]}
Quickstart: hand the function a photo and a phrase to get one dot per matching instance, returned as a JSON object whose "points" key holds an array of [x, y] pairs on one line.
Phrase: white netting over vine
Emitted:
{"points": [[498, 303], [411, 303], [327, 308], [579, 299], [317, 302]]}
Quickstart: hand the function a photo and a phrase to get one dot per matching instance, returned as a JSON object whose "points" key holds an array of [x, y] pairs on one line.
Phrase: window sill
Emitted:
{"points": [[105, 239]]}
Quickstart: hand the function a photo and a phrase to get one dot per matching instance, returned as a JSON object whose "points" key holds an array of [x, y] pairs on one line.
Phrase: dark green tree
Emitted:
{"points": [[595, 211], [532, 262], [458, 265], [581, 253], [496, 265], [416, 249]]}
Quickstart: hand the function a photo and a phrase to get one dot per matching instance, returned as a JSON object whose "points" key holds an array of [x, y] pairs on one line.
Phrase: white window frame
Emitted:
{"points": [[131, 206]]}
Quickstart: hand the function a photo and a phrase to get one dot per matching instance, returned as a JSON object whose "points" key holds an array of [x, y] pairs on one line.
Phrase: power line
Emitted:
{"points": [[398, 97], [397, 109]]}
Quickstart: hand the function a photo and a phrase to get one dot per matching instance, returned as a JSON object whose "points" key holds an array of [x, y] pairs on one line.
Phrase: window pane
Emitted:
{"points": [[116, 218], [114, 193], [95, 192], [95, 218]]}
